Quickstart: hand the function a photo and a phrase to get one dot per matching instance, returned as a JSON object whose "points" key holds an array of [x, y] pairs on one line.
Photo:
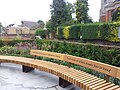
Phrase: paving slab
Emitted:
{"points": [[12, 78]]}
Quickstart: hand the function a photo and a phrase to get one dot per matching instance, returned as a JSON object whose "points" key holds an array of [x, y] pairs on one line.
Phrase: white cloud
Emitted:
{"points": [[13, 11], [94, 9]]}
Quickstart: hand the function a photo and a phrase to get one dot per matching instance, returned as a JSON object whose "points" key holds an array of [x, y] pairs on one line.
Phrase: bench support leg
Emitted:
{"points": [[26, 69], [63, 83]]}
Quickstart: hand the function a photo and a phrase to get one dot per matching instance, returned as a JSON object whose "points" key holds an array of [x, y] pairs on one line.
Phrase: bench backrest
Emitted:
{"points": [[94, 65]]}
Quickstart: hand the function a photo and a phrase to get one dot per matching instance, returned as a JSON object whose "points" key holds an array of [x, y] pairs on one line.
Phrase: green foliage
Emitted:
{"points": [[41, 23], [110, 56], [12, 42], [90, 31], [40, 32], [66, 32], [14, 51], [81, 11], [6, 50], [69, 32], [49, 25], [113, 32], [74, 32], [1, 27], [58, 12], [116, 15], [60, 32], [70, 10], [106, 55], [1, 43], [61, 13]]}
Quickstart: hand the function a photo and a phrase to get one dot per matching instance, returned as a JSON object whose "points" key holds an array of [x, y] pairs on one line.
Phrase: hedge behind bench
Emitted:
{"points": [[106, 55]]}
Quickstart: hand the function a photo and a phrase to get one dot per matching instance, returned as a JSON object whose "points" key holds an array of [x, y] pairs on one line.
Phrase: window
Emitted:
{"points": [[105, 1], [119, 32]]}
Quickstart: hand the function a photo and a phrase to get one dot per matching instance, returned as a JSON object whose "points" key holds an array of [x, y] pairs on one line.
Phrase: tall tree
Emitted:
{"points": [[60, 13], [41, 24], [82, 11], [70, 10]]}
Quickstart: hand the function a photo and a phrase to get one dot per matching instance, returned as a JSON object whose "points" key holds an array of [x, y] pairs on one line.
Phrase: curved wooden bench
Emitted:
{"points": [[66, 74]]}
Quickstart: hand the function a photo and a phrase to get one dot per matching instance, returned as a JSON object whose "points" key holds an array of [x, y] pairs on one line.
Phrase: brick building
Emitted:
{"points": [[107, 9]]}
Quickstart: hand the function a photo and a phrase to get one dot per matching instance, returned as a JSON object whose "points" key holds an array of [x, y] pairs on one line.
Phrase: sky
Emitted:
{"points": [[14, 11]]}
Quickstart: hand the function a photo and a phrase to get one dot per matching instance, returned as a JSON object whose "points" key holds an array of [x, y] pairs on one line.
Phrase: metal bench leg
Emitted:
{"points": [[63, 83], [26, 69]]}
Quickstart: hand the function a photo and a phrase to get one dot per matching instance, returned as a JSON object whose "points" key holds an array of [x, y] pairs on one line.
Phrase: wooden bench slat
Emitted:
{"points": [[107, 87], [88, 84], [100, 86], [118, 88], [85, 81], [113, 88]]}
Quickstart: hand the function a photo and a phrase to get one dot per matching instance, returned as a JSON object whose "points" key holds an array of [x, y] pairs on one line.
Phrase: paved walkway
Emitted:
{"points": [[11, 78]]}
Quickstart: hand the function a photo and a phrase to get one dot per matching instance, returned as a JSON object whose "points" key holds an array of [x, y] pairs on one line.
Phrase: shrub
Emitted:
{"points": [[109, 56], [90, 31], [60, 32], [40, 32], [6, 50], [74, 32], [13, 42], [113, 32], [66, 32], [1, 43], [14, 51], [101, 31]]}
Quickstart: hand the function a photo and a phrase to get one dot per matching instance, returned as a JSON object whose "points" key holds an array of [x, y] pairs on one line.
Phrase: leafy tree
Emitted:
{"points": [[70, 10], [49, 25], [61, 13], [116, 15], [40, 32], [41, 23], [82, 11]]}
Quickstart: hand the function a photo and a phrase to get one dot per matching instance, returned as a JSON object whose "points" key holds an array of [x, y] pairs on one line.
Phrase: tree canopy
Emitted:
{"points": [[82, 11], [61, 13]]}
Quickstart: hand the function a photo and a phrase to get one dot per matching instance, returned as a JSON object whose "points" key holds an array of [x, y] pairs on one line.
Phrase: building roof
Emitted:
{"points": [[29, 24]]}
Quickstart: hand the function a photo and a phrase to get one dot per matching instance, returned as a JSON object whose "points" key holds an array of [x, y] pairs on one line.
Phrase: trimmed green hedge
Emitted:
{"points": [[102, 31], [69, 32], [113, 32], [60, 32], [109, 56], [90, 31], [74, 32]]}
